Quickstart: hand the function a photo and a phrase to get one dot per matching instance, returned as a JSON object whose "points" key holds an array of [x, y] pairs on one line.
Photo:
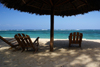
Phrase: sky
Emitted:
{"points": [[11, 19]]}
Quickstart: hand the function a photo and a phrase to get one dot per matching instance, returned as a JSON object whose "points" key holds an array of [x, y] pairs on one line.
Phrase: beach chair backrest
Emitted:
{"points": [[76, 37], [25, 41]]}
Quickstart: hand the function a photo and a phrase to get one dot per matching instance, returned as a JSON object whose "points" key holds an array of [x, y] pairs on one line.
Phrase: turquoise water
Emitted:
{"points": [[58, 34]]}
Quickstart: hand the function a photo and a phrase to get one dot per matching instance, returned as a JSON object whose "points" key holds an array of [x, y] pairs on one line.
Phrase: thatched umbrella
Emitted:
{"points": [[53, 7]]}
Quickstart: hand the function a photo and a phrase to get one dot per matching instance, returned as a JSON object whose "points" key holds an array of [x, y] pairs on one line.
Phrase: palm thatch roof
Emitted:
{"points": [[61, 7]]}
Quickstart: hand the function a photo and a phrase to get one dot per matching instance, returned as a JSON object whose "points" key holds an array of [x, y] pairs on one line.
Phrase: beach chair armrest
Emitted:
{"points": [[36, 42]]}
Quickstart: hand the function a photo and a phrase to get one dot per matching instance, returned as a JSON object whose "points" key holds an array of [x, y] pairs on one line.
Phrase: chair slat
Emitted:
{"points": [[26, 38], [81, 36], [74, 36], [22, 39], [77, 36]]}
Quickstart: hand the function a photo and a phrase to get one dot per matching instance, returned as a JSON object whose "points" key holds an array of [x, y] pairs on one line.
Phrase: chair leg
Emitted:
{"points": [[36, 50], [27, 48], [79, 45], [69, 44], [23, 49]]}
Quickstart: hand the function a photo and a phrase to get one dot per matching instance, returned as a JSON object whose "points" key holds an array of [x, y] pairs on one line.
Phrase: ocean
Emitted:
{"points": [[58, 34]]}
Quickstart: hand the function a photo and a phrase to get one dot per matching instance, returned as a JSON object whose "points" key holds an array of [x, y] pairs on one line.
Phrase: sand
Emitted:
{"points": [[62, 56]]}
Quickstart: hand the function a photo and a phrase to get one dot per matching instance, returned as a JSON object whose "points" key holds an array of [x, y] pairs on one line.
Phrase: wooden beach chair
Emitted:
{"points": [[75, 38], [25, 42], [11, 42]]}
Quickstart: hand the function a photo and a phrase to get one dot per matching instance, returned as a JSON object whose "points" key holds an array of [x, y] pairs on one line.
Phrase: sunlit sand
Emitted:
{"points": [[62, 56]]}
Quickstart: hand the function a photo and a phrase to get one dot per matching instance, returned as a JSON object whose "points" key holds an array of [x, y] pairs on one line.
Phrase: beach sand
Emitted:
{"points": [[62, 56]]}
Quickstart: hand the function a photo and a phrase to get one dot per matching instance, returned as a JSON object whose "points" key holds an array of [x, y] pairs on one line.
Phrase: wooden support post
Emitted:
{"points": [[52, 29]]}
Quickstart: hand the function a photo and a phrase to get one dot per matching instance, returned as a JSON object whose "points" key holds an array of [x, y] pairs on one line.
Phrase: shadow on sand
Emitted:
{"points": [[62, 56]]}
